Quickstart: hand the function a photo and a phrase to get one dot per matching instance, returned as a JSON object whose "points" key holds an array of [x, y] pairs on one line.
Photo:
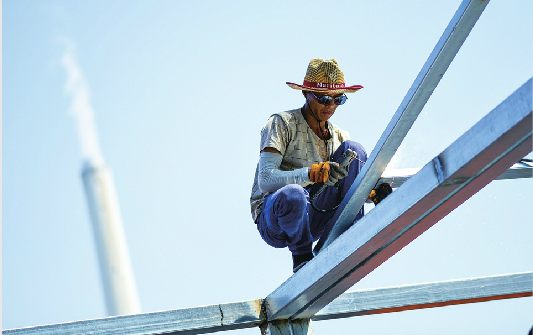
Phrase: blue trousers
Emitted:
{"points": [[288, 220]]}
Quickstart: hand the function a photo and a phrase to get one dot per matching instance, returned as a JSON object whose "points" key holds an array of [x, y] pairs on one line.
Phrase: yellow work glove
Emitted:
{"points": [[319, 173], [327, 172]]}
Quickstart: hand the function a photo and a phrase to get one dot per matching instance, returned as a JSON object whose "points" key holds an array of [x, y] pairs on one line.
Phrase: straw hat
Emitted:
{"points": [[324, 76]]}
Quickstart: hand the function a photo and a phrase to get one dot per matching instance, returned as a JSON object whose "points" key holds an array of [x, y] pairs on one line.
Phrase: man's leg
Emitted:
{"points": [[284, 221]]}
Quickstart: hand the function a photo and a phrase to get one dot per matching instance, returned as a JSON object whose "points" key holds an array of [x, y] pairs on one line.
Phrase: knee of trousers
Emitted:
{"points": [[355, 146], [292, 199]]}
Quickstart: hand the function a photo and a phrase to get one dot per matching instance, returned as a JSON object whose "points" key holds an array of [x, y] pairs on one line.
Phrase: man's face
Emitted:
{"points": [[323, 112]]}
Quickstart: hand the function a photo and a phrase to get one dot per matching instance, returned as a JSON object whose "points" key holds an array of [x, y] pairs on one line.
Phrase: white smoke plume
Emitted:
{"points": [[81, 108]]}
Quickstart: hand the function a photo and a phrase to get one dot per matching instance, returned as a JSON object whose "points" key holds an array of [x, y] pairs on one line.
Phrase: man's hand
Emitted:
{"points": [[319, 173], [380, 193], [336, 173], [327, 172]]}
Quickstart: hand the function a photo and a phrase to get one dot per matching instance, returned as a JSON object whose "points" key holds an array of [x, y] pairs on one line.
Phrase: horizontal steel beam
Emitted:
{"points": [[428, 295], [479, 156], [208, 319], [397, 177], [198, 320], [427, 80]]}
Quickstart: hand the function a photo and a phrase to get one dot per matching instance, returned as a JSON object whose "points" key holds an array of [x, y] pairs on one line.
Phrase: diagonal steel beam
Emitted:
{"points": [[436, 65], [399, 176], [479, 156]]}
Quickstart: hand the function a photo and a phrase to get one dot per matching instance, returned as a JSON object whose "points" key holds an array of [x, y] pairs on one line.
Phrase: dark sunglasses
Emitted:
{"points": [[326, 99]]}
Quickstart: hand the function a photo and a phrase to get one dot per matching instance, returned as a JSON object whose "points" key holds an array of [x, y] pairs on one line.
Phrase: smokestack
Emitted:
{"points": [[115, 265]]}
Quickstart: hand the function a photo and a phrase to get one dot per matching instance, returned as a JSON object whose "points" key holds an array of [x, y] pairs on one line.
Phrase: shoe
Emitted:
{"points": [[298, 261], [299, 267]]}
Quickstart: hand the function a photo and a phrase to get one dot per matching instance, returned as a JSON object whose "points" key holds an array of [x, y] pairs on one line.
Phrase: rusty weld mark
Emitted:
{"points": [[264, 309], [263, 315]]}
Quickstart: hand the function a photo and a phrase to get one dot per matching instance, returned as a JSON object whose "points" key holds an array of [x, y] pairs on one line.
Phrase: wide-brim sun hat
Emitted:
{"points": [[324, 76]]}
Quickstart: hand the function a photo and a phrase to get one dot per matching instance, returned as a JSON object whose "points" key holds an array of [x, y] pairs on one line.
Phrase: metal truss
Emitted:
{"points": [[482, 154]]}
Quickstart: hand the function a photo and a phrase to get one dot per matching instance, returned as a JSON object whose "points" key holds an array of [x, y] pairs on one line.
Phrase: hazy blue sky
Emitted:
{"points": [[180, 92]]}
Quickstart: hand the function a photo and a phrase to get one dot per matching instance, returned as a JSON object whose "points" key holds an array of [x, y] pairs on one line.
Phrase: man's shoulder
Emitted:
{"points": [[286, 120], [289, 115]]}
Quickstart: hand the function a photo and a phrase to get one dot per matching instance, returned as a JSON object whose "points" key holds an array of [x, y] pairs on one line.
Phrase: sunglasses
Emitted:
{"points": [[326, 99]]}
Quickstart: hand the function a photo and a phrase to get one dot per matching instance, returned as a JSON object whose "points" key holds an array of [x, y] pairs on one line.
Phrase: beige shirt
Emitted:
{"points": [[289, 133]]}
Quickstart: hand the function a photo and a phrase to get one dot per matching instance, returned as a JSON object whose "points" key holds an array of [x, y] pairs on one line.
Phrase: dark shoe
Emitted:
{"points": [[294, 270], [298, 261]]}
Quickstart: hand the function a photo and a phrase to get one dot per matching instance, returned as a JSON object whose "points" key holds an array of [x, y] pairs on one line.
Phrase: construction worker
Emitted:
{"points": [[299, 148]]}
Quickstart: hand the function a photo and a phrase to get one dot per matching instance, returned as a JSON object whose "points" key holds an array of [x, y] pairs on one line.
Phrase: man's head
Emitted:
{"points": [[324, 88]]}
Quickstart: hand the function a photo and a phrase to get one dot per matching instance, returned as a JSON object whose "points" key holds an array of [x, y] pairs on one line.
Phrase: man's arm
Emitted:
{"points": [[271, 178], [270, 149]]}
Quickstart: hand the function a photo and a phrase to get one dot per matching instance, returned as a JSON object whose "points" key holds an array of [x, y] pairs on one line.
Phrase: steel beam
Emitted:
{"points": [[428, 295], [397, 177], [479, 156], [208, 319], [198, 320], [436, 65]]}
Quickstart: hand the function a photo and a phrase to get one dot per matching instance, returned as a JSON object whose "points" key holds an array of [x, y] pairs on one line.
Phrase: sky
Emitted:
{"points": [[178, 93]]}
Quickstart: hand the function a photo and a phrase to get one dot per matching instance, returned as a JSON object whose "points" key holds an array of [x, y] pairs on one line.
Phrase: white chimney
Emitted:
{"points": [[115, 264]]}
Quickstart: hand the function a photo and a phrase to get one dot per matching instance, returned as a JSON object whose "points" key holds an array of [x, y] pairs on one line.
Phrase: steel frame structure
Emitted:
{"points": [[484, 153], [479, 156], [476, 158]]}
